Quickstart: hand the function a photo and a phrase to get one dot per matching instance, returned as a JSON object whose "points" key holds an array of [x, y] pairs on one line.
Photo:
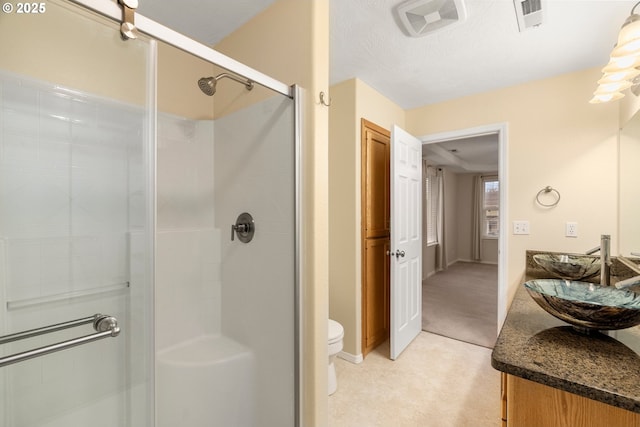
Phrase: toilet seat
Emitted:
{"points": [[336, 331]]}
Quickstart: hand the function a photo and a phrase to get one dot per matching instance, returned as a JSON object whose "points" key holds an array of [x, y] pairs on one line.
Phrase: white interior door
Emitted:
{"points": [[406, 236]]}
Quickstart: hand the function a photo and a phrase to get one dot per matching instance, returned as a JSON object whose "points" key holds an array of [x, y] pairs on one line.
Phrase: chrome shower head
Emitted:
{"points": [[208, 84]]}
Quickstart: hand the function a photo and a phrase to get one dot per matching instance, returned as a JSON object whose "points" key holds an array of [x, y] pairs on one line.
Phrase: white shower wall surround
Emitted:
{"points": [[187, 243], [71, 221], [227, 299], [254, 168]]}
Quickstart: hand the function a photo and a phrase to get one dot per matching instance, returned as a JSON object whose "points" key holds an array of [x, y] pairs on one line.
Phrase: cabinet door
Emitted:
{"points": [[375, 296], [530, 404], [375, 180]]}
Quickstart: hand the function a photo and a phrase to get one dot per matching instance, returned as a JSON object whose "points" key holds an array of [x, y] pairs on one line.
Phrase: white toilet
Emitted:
{"points": [[336, 333]]}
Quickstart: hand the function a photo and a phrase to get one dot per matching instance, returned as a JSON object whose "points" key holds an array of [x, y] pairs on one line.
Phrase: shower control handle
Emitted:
{"points": [[244, 228], [238, 228], [241, 228]]}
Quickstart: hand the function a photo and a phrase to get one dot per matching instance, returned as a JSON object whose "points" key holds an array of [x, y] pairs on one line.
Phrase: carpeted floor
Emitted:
{"points": [[462, 303]]}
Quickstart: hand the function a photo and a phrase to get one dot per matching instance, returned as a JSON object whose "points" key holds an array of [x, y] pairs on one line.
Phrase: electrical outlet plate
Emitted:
{"points": [[520, 227], [571, 229]]}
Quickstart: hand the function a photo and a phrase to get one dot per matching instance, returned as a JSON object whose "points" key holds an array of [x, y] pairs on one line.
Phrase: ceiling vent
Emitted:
{"points": [[422, 17], [529, 13]]}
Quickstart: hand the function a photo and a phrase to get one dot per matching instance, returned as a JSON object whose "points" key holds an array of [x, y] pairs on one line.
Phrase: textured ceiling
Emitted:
{"points": [[465, 155], [484, 53]]}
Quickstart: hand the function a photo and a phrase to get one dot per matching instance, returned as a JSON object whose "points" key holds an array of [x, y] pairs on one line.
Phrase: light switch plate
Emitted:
{"points": [[520, 227]]}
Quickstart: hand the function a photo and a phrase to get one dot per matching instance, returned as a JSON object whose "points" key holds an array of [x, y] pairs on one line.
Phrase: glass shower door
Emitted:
{"points": [[75, 220]]}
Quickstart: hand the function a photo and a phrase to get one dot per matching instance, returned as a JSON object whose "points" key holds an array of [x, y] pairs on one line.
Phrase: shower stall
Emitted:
{"points": [[148, 232]]}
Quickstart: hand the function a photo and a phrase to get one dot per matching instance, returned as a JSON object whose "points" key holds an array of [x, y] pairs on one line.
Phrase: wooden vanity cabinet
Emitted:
{"points": [[529, 404]]}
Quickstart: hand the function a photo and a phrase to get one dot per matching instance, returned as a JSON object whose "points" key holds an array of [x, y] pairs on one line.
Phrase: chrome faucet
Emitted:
{"points": [[633, 281], [605, 258]]}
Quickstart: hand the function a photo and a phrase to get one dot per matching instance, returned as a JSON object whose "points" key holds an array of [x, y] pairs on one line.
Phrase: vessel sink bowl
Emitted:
{"points": [[586, 306], [570, 267]]}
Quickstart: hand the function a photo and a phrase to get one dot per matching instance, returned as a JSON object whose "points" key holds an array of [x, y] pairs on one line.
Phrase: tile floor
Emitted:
{"points": [[436, 381]]}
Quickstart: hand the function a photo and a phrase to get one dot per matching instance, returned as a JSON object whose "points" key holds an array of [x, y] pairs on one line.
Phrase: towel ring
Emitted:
{"points": [[545, 190]]}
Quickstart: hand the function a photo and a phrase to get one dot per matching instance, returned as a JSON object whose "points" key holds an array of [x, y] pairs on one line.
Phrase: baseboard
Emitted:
{"points": [[476, 261], [431, 273], [353, 358]]}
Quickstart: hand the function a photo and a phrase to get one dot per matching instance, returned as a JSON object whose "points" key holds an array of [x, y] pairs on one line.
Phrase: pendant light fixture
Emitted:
{"points": [[622, 69]]}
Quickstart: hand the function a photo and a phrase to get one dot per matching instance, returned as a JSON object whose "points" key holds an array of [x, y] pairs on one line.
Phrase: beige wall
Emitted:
{"points": [[344, 301], [490, 251], [452, 212], [464, 216], [629, 106], [290, 42], [429, 261], [178, 92], [555, 137], [103, 65], [352, 100], [58, 39]]}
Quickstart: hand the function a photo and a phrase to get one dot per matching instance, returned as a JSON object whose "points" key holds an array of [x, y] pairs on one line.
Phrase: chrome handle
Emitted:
{"points": [[47, 329], [104, 325], [244, 228], [240, 229], [397, 253]]}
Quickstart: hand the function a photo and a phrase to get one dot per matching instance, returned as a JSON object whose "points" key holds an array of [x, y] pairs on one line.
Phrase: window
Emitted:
{"points": [[491, 207], [431, 211]]}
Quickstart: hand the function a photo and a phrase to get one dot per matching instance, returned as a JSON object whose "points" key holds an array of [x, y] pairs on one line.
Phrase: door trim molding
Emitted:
{"points": [[501, 129]]}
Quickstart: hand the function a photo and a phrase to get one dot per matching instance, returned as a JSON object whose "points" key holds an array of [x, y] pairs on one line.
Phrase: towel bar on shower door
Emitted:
{"points": [[104, 325]]}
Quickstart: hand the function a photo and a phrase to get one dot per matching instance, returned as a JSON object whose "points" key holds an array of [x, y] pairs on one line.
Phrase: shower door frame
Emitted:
{"points": [[156, 31], [160, 32]]}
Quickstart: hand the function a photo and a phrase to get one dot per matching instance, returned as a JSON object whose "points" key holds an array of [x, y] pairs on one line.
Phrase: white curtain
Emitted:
{"points": [[441, 251], [476, 232]]}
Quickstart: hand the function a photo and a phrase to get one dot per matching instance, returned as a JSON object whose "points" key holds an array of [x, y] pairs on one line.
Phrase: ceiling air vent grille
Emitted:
{"points": [[422, 17], [529, 13]]}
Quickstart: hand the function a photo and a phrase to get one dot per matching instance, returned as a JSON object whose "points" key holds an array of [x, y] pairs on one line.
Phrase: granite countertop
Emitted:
{"points": [[536, 346]]}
